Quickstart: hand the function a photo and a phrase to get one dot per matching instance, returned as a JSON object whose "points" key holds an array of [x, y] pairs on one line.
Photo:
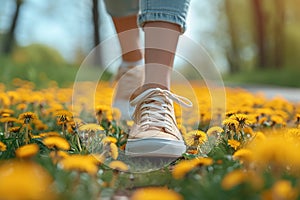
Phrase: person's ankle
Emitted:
{"points": [[145, 87], [135, 63]]}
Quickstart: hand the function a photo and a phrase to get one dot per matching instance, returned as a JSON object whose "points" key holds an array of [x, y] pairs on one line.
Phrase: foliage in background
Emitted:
{"points": [[41, 65], [262, 34]]}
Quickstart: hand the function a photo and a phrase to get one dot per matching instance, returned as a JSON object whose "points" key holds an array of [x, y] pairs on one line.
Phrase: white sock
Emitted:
{"points": [[130, 64]]}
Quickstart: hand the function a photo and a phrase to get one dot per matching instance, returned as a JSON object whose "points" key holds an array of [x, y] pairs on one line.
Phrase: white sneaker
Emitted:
{"points": [[128, 80], [155, 132]]}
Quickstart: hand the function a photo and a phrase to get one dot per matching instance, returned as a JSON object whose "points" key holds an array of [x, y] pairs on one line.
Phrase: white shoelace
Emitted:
{"points": [[155, 108]]}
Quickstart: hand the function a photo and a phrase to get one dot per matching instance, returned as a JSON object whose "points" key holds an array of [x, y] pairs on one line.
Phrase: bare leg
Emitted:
{"points": [[130, 74], [159, 61], [132, 40]]}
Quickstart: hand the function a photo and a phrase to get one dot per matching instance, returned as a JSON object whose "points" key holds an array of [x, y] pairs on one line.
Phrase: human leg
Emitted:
{"points": [[124, 15], [160, 45], [129, 41], [155, 132], [130, 73]]}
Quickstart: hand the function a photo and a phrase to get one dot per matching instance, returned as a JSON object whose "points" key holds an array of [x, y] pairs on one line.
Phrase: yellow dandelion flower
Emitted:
{"points": [[101, 108], [264, 111], [130, 123], [182, 129], [259, 136], [154, 193], [114, 151], [276, 153], [185, 166], [63, 116], [277, 120], [262, 120], [298, 119], [2, 146], [241, 118], [230, 113], [39, 125], [35, 136], [78, 122], [116, 113], [27, 117], [98, 158], [27, 151], [233, 179], [248, 131], [65, 113], [232, 124], [56, 142], [118, 165], [282, 114], [25, 180], [253, 118], [283, 189], [14, 129], [234, 144], [22, 106], [91, 127], [57, 156], [203, 161], [293, 132], [195, 137], [8, 119], [4, 115], [215, 130], [109, 139], [6, 111], [81, 163], [192, 151], [4, 99], [71, 127], [109, 116], [244, 155], [49, 134], [178, 120]]}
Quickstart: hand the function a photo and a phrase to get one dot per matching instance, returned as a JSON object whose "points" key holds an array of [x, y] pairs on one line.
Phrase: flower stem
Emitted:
{"points": [[5, 129], [26, 134], [78, 142]]}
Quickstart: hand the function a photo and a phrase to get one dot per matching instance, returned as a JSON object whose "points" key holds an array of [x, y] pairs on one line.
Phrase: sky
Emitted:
{"points": [[64, 25]]}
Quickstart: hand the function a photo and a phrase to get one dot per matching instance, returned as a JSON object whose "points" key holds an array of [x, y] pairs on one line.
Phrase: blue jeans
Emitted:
{"points": [[173, 11]]}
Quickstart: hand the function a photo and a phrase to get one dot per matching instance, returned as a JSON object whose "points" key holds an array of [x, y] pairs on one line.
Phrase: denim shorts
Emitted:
{"points": [[173, 11]]}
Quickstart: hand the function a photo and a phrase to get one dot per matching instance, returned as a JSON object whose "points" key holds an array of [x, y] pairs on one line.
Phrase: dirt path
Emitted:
{"points": [[291, 94]]}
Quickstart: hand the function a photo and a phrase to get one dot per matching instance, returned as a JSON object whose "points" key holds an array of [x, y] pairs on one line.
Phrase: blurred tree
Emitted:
{"points": [[270, 28], [9, 41], [38, 54], [259, 19], [257, 35], [232, 52], [95, 11], [96, 25], [279, 31]]}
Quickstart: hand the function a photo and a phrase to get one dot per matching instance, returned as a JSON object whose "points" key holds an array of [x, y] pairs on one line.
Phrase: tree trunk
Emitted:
{"points": [[259, 20], [96, 25], [10, 38], [232, 53], [279, 34], [95, 12]]}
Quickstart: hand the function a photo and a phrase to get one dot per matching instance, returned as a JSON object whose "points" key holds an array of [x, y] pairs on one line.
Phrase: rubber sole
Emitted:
{"points": [[154, 147]]}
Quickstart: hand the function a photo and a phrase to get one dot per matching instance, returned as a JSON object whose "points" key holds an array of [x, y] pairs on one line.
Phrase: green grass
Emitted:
{"points": [[285, 77], [38, 73], [43, 73]]}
